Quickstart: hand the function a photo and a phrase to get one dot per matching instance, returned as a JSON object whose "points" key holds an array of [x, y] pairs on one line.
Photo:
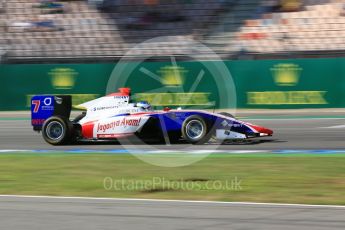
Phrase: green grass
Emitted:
{"points": [[292, 178]]}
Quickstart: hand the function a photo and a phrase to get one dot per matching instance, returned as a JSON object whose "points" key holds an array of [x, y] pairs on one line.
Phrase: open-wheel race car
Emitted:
{"points": [[116, 117]]}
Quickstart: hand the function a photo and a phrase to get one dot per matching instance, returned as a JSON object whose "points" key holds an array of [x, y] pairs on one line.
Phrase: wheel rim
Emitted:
{"points": [[54, 130], [194, 129]]}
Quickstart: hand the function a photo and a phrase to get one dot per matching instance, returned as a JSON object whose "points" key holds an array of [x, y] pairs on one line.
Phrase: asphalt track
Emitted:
{"points": [[289, 134], [33, 213]]}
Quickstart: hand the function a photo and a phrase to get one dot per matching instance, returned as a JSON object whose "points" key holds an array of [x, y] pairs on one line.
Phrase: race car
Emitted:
{"points": [[116, 117]]}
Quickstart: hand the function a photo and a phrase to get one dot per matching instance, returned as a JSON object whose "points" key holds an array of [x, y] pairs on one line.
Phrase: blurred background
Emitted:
{"points": [[281, 53], [97, 30]]}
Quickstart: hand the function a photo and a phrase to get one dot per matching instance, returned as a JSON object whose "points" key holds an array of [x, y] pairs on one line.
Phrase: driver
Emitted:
{"points": [[144, 105]]}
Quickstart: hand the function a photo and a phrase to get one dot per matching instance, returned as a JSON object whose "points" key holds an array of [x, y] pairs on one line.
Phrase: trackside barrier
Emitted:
{"points": [[273, 84]]}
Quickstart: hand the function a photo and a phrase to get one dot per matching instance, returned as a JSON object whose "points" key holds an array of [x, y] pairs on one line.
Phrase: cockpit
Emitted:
{"points": [[143, 106]]}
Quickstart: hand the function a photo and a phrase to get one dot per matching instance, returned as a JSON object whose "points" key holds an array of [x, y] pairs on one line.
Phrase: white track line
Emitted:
{"points": [[14, 150], [175, 201], [334, 127], [173, 151]]}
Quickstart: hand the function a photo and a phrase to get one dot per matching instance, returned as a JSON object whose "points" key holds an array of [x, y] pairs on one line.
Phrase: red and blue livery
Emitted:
{"points": [[115, 117]]}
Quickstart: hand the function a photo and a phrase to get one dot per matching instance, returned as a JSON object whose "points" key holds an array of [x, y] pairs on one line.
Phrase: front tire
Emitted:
{"points": [[57, 130], [195, 130]]}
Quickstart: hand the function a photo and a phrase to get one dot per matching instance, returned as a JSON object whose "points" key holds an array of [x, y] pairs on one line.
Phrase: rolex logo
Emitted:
{"points": [[286, 74], [63, 78]]}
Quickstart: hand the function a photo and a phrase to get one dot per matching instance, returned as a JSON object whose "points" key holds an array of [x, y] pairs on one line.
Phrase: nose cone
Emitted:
{"points": [[262, 130]]}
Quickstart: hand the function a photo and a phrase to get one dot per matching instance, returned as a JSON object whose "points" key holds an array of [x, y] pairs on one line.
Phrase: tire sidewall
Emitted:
{"points": [[203, 138], [66, 131]]}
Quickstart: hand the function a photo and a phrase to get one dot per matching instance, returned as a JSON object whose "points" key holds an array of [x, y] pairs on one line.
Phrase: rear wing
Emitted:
{"points": [[45, 106]]}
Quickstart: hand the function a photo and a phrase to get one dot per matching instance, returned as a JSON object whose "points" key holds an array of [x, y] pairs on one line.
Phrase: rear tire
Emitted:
{"points": [[195, 130], [57, 131]]}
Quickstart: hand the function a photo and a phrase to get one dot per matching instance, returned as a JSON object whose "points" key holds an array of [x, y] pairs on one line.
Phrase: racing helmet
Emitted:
{"points": [[144, 105]]}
